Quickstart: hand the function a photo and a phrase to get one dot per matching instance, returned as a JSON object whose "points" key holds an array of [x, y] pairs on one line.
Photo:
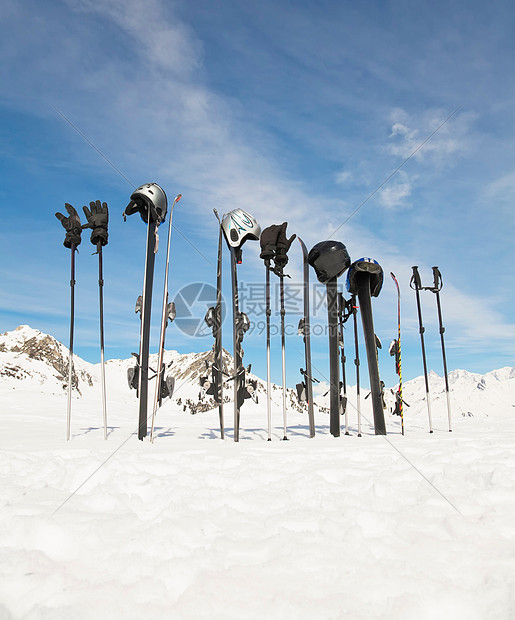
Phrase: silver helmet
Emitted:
{"points": [[238, 226], [151, 199]]}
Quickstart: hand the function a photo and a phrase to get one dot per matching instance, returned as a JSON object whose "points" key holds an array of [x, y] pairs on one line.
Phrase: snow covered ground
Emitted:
{"points": [[420, 526]]}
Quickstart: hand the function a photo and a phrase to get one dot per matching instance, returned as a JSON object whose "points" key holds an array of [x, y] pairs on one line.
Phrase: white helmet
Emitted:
{"points": [[149, 198], [238, 226]]}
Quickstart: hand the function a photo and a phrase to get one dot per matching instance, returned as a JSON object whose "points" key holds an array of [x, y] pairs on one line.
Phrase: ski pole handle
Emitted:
{"points": [[415, 279], [438, 282]]}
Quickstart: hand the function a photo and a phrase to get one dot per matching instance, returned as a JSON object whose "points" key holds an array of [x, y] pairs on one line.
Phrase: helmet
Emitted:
{"points": [[370, 267], [238, 226], [329, 259], [149, 198]]}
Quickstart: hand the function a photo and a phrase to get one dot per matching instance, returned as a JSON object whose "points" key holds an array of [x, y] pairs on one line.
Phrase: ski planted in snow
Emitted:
{"points": [[305, 387], [330, 259], [238, 226], [150, 202], [213, 319], [365, 279], [395, 350]]}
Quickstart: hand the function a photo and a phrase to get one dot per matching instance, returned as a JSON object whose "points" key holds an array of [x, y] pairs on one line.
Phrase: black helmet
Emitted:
{"points": [[148, 198], [361, 266], [329, 259]]}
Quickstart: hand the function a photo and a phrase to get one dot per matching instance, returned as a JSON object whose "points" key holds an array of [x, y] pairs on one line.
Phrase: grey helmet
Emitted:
{"points": [[238, 226], [148, 198]]}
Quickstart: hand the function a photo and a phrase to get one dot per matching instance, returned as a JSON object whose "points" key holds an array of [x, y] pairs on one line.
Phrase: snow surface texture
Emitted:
{"points": [[420, 526]]}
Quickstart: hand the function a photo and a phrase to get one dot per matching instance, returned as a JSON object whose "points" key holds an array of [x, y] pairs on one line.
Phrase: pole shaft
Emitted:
{"points": [[424, 363], [102, 360], [341, 307], [334, 371], [356, 360], [70, 356], [444, 357], [268, 371], [283, 352], [164, 320]]}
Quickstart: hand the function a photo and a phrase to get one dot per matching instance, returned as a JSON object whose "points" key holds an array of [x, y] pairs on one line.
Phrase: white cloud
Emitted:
{"points": [[408, 134], [166, 41], [343, 177], [394, 196]]}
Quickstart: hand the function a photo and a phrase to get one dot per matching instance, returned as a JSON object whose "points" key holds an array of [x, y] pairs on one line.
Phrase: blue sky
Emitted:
{"points": [[295, 111]]}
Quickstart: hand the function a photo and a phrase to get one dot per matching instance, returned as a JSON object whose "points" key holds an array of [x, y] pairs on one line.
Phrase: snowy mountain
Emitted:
{"points": [[30, 357], [192, 527]]}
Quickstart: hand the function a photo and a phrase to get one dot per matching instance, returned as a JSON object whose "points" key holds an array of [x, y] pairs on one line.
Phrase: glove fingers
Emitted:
{"points": [[71, 210], [87, 213], [290, 241], [60, 217]]}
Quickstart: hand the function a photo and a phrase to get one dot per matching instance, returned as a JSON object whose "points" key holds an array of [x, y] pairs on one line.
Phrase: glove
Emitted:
{"points": [[71, 225], [98, 218], [268, 241], [283, 245]]}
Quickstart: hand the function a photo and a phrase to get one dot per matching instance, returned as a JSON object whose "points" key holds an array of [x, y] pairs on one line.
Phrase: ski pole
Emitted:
{"points": [[356, 360], [164, 321], [438, 283], [416, 284], [283, 352], [98, 218], [343, 359], [73, 228], [102, 360], [268, 377], [70, 357]]}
